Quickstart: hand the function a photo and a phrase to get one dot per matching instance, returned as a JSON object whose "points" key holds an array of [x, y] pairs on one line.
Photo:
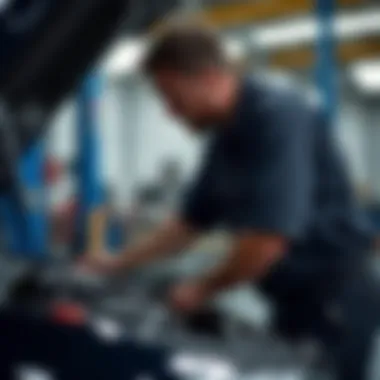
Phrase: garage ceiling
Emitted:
{"points": [[347, 52], [271, 20], [230, 14]]}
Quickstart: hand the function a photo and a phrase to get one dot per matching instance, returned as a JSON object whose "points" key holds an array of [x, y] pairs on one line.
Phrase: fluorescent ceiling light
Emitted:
{"points": [[288, 33], [305, 30], [125, 57], [234, 48], [366, 76], [358, 24]]}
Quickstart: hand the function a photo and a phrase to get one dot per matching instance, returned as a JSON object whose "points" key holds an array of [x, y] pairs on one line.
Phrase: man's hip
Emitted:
{"points": [[345, 319]]}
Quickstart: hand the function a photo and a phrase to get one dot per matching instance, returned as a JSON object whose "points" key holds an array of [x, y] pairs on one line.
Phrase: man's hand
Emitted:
{"points": [[103, 263], [188, 297], [170, 238]]}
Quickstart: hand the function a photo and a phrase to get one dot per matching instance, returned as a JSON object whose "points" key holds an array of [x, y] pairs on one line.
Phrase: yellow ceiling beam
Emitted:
{"points": [[239, 13], [303, 58]]}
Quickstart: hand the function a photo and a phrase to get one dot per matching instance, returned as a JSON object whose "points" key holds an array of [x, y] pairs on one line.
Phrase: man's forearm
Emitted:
{"points": [[246, 262], [171, 237], [227, 275]]}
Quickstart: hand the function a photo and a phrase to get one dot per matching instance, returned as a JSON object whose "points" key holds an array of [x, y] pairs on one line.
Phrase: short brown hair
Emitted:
{"points": [[187, 49]]}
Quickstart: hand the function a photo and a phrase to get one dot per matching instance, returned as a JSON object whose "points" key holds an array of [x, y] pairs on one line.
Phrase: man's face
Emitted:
{"points": [[190, 97]]}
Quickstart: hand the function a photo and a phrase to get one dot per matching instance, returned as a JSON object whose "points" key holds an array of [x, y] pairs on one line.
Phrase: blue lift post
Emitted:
{"points": [[326, 72], [25, 209], [88, 164], [33, 176]]}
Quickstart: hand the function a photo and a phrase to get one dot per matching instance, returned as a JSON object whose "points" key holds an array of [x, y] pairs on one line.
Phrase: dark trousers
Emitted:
{"points": [[344, 319]]}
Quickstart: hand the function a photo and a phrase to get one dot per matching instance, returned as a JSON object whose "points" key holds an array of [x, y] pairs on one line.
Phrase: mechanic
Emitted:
{"points": [[272, 174]]}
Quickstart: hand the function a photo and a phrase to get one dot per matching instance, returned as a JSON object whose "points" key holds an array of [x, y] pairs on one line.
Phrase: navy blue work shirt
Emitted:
{"points": [[276, 169]]}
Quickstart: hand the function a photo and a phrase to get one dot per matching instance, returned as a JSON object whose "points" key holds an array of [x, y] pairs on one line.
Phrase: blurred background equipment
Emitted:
{"points": [[89, 160]]}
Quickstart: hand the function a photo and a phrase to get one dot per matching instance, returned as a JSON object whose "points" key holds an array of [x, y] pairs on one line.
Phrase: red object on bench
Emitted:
{"points": [[69, 313]]}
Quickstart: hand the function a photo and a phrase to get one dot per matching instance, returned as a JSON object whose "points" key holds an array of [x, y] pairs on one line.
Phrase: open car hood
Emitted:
{"points": [[46, 47]]}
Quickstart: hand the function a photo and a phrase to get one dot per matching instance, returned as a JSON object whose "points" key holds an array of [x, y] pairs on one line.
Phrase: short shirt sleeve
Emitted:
{"points": [[279, 177]]}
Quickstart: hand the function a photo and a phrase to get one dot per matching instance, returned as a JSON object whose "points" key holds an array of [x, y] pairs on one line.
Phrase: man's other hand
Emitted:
{"points": [[101, 263], [188, 297]]}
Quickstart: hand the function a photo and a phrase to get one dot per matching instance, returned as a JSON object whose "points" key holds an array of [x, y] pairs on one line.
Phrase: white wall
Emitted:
{"points": [[351, 130], [61, 135], [359, 130], [372, 118], [112, 144], [136, 137]]}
